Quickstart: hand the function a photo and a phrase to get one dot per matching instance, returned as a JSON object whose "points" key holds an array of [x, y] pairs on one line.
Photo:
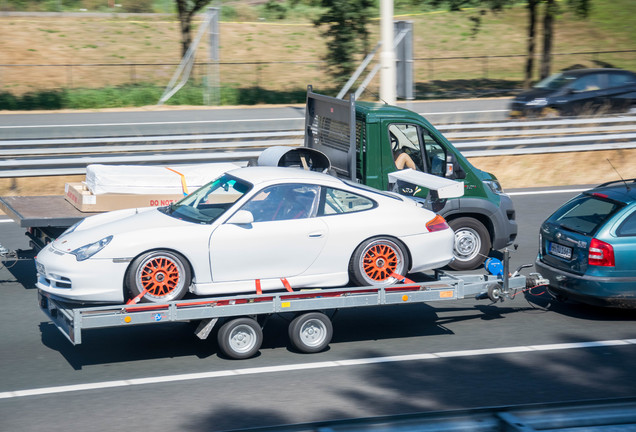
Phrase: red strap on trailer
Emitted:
{"points": [[135, 300], [402, 279], [259, 291], [286, 284]]}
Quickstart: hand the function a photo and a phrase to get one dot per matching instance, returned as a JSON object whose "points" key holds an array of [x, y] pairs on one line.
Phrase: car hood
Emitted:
{"points": [[117, 223]]}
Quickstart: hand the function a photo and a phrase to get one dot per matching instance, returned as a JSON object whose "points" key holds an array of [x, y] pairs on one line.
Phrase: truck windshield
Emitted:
{"points": [[207, 203]]}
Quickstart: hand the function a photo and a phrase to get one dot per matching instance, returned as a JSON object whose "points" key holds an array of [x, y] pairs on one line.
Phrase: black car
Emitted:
{"points": [[577, 92]]}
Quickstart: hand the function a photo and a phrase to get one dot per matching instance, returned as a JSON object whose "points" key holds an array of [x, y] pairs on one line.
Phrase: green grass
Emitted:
{"points": [[438, 34]]}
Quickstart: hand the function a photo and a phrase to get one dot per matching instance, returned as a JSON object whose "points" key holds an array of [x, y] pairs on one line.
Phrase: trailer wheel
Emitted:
{"points": [[310, 332], [376, 259], [160, 274], [240, 338], [472, 243]]}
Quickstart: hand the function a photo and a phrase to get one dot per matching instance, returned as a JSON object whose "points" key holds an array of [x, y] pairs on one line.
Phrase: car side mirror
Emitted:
{"points": [[453, 169], [242, 217]]}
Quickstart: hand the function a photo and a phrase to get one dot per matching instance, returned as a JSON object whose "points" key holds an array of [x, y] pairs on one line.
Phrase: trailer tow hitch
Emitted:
{"points": [[500, 289]]}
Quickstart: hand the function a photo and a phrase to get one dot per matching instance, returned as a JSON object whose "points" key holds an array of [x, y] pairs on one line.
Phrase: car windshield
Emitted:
{"points": [[555, 82], [585, 214], [209, 202]]}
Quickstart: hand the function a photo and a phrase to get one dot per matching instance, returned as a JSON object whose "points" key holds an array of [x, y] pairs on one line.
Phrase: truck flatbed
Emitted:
{"points": [[41, 211]]}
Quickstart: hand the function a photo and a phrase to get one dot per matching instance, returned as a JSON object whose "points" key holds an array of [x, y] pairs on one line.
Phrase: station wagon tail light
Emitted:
{"points": [[438, 223], [600, 254]]}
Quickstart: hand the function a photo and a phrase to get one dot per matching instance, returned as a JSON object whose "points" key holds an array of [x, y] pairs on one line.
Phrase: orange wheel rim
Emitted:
{"points": [[380, 262], [160, 276]]}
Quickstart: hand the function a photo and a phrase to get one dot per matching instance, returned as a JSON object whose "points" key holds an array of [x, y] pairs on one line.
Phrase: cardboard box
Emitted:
{"points": [[85, 201]]}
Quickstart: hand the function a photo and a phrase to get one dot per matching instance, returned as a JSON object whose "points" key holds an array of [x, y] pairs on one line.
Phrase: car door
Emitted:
{"points": [[586, 94], [624, 243], [621, 90], [427, 155], [284, 239]]}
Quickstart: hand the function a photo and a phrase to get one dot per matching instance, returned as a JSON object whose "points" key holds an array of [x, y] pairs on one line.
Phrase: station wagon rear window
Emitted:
{"points": [[586, 214]]}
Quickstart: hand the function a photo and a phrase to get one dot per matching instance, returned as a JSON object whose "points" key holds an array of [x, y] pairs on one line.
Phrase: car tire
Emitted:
{"points": [[240, 338], [472, 243], [310, 332], [376, 259], [160, 276]]}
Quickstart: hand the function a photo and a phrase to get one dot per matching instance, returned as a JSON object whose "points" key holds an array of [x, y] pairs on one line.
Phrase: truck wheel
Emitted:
{"points": [[240, 338], [376, 259], [161, 275], [310, 332], [472, 243]]}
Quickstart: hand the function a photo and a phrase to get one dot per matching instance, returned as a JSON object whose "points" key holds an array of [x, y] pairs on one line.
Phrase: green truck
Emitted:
{"points": [[362, 141]]}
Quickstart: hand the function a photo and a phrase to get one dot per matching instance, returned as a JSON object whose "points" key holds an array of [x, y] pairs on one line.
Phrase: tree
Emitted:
{"points": [[531, 37], [186, 9], [346, 30], [581, 8]]}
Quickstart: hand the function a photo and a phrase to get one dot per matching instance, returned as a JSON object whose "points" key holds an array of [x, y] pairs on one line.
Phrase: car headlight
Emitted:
{"points": [[87, 251], [539, 102], [494, 186]]}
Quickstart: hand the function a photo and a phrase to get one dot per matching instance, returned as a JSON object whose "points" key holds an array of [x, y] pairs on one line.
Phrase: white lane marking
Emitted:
{"points": [[308, 366], [6, 220], [547, 192]]}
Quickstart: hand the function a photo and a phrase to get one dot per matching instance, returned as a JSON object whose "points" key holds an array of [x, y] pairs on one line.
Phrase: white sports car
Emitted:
{"points": [[264, 227]]}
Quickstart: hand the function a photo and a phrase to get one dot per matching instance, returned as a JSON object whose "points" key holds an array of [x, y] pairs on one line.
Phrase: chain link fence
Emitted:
{"points": [[485, 73]]}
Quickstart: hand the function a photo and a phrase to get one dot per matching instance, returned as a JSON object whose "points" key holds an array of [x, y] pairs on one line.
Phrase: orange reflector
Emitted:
{"points": [[405, 298], [127, 319], [285, 304], [446, 294]]}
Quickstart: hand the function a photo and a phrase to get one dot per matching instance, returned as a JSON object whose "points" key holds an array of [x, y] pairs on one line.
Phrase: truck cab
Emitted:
{"points": [[366, 141]]}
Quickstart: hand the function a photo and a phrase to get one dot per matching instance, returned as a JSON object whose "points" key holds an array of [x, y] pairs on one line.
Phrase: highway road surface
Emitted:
{"points": [[384, 360]]}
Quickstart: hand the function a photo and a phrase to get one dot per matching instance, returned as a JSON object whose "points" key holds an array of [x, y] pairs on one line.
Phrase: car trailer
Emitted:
{"points": [[240, 336]]}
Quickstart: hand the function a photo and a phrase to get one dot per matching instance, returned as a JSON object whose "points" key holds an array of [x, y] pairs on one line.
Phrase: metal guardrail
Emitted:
{"points": [[602, 415], [51, 157]]}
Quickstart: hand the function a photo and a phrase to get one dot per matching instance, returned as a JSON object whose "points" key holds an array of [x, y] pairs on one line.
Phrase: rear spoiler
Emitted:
{"points": [[444, 188]]}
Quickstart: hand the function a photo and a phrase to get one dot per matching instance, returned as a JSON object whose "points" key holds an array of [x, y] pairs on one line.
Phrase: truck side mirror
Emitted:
{"points": [[453, 169]]}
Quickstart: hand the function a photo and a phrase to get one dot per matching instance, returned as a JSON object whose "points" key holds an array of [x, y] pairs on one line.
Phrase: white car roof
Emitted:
{"points": [[258, 175]]}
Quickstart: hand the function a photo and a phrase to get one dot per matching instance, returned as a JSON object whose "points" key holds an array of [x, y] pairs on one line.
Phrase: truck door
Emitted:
{"points": [[413, 147]]}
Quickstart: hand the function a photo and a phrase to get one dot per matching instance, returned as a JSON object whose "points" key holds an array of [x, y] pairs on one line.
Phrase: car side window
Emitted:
{"points": [[620, 79], [435, 156], [628, 227], [284, 202], [587, 83], [338, 201]]}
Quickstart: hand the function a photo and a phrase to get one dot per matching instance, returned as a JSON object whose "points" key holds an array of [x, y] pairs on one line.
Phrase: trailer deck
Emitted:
{"points": [[71, 320]]}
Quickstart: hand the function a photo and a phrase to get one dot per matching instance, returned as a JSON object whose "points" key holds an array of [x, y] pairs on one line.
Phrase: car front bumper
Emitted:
{"points": [[89, 281], [600, 291]]}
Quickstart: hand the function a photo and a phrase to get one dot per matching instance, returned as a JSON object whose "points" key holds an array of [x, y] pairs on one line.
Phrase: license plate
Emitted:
{"points": [[560, 250]]}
